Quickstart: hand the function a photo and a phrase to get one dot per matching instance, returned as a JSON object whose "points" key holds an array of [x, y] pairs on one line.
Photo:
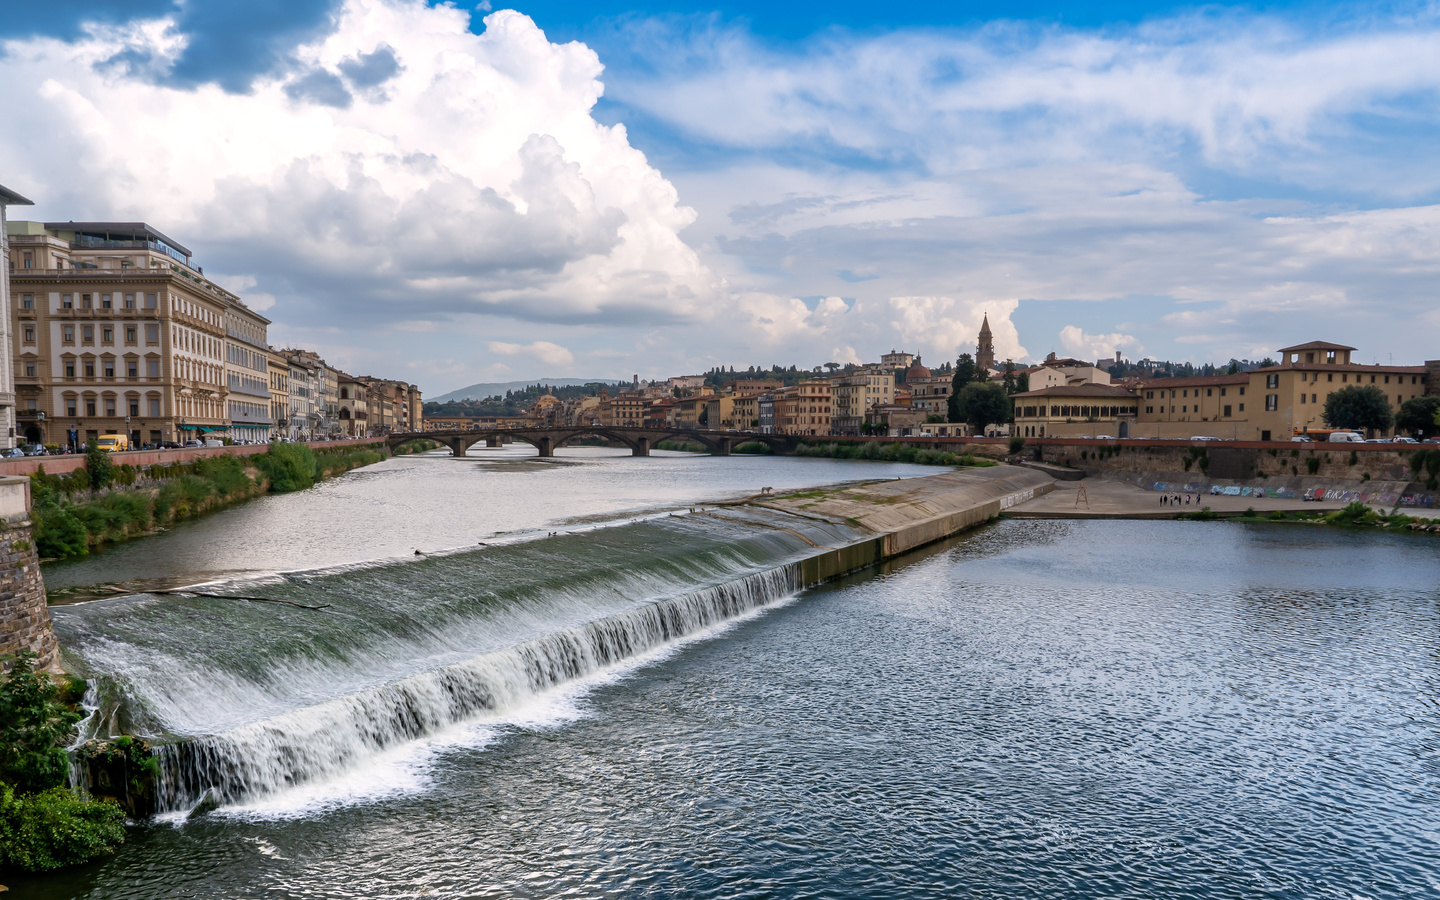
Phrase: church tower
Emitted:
{"points": [[985, 349]]}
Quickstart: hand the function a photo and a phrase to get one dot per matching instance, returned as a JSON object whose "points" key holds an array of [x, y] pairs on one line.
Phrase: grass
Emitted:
{"points": [[875, 450]]}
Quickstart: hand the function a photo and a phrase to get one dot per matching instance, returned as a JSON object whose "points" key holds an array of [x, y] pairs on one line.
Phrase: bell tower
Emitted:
{"points": [[985, 347]]}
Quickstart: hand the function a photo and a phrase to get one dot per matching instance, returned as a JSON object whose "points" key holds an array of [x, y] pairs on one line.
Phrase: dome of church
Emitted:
{"points": [[917, 371]]}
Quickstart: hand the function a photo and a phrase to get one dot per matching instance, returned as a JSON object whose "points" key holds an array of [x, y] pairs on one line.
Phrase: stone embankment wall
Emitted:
{"points": [[24, 616], [1234, 460], [60, 465]]}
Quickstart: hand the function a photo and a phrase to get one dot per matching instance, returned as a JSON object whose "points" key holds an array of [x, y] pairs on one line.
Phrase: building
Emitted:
{"points": [[279, 369], [1054, 372], [627, 409], [985, 347], [893, 420], [353, 407], [806, 409], [1077, 410], [1210, 405], [854, 394], [114, 330], [930, 392], [1289, 398], [247, 374], [9, 437], [302, 419], [897, 359]]}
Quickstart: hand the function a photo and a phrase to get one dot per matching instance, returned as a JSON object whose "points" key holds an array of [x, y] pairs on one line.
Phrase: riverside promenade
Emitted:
{"points": [[69, 462], [1111, 498]]}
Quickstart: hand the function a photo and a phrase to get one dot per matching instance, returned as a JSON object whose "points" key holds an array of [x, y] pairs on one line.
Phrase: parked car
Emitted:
{"points": [[1104, 437], [1301, 439], [1203, 437], [34, 449], [13, 453], [193, 443], [1345, 437]]}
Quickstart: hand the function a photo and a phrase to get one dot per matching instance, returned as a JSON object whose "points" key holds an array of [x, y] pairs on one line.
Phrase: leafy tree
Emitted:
{"points": [[1022, 382], [34, 726], [983, 404], [1008, 380], [100, 466], [965, 369], [1418, 415], [1359, 407]]}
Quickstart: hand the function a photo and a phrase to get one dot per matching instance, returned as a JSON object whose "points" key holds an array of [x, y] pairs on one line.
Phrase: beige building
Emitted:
{"points": [[854, 394], [279, 393], [9, 433], [111, 322], [1290, 398], [805, 409], [1208, 405], [1078, 410], [247, 374], [353, 407]]}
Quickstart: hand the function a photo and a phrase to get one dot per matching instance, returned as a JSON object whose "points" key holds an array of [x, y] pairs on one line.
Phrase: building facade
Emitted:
{"points": [[9, 434], [1078, 410], [247, 374]]}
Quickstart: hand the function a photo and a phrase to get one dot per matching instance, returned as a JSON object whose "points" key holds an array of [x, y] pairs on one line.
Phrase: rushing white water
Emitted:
{"points": [[323, 741]]}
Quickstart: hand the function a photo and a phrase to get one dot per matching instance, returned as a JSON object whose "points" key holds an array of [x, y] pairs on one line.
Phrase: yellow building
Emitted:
{"points": [[1076, 410], [1211, 405], [1290, 397], [854, 395]]}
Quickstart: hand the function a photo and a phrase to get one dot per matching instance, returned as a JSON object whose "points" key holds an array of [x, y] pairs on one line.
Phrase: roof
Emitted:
{"points": [[1195, 381], [128, 229], [10, 198], [1357, 368], [1080, 390], [1315, 345]]}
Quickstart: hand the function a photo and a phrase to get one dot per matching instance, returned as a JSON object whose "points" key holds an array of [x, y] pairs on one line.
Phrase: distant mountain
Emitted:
{"points": [[494, 389]]}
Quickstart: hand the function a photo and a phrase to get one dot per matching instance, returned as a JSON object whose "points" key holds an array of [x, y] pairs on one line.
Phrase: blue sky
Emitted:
{"points": [[418, 193]]}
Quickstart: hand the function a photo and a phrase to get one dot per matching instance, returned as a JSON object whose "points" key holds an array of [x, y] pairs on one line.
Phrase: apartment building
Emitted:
{"points": [[1183, 404], [302, 420], [8, 434], [854, 394], [627, 409], [353, 415], [247, 374], [114, 330], [1289, 398], [279, 370], [930, 393]]}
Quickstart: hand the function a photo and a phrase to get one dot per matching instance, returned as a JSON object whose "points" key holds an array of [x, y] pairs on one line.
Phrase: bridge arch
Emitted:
{"points": [[547, 440]]}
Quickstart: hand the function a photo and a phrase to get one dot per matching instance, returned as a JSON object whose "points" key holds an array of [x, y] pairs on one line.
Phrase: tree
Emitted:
{"points": [[1359, 407], [1008, 381], [1022, 382], [100, 466], [832, 366], [34, 727], [1418, 414], [983, 404]]}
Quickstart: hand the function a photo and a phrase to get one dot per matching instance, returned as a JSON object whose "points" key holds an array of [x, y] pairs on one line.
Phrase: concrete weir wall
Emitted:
{"points": [[24, 616], [909, 514]]}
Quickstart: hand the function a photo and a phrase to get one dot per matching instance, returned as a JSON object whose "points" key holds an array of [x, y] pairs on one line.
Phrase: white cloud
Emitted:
{"points": [[472, 179], [544, 351], [1098, 346]]}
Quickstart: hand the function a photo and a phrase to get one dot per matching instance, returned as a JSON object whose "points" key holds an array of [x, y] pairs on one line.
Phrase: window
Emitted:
{"points": [[107, 335], [1272, 380], [152, 334], [129, 301], [89, 368], [87, 334], [1242, 393], [67, 301], [1242, 407], [70, 406], [1227, 410], [1329, 376], [28, 259], [130, 332], [152, 368], [134, 406], [27, 301], [105, 302], [69, 368], [1302, 399], [29, 334], [132, 369], [109, 368], [150, 301], [109, 406], [67, 334], [85, 301], [30, 369], [154, 406], [89, 407], [1272, 402]]}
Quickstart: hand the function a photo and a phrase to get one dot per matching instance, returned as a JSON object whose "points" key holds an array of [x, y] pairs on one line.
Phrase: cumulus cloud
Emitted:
{"points": [[1098, 346], [544, 351], [407, 163]]}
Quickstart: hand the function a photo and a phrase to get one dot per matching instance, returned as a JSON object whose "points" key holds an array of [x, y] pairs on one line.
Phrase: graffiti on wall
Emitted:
{"points": [[1381, 498]]}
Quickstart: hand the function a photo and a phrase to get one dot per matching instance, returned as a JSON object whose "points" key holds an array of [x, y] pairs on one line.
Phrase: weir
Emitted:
{"points": [[244, 702]]}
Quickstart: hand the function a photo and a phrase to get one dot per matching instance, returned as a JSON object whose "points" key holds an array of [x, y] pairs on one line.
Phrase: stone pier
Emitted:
{"points": [[24, 616]]}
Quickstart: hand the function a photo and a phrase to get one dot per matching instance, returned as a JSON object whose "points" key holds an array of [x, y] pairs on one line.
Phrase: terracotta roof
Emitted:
{"points": [[1196, 381], [1080, 390], [1315, 345], [1357, 368]]}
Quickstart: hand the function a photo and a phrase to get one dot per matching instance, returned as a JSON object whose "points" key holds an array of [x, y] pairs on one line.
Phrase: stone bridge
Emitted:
{"points": [[639, 440]]}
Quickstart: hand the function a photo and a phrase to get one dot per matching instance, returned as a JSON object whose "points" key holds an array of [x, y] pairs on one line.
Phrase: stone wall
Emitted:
{"points": [[1234, 460], [24, 616]]}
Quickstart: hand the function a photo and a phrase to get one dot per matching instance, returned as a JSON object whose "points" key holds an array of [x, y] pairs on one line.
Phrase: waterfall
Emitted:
{"points": [[321, 741]]}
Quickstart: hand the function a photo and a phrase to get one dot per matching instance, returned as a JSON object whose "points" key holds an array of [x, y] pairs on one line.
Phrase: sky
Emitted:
{"points": [[450, 193]]}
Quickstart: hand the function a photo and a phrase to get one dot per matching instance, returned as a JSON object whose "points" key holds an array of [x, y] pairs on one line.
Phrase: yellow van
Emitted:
{"points": [[112, 442]]}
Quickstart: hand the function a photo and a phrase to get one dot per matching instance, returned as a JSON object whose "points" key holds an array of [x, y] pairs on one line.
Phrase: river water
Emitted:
{"points": [[651, 708]]}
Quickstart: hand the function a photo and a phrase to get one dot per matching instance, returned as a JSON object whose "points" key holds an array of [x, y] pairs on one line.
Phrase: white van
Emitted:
{"points": [[1346, 437]]}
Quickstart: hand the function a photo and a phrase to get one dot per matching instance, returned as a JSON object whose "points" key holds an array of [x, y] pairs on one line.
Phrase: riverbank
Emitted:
{"points": [[83, 509]]}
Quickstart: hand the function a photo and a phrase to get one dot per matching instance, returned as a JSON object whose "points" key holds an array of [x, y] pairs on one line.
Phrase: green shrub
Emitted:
{"points": [[58, 533], [99, 467], [54, 828], [758, 448], [1354, 513], [290, 467], [33, 728], [1312, 464]]}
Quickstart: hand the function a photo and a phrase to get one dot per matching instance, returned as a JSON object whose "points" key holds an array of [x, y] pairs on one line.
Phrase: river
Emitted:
{"points": [[651, 708]]}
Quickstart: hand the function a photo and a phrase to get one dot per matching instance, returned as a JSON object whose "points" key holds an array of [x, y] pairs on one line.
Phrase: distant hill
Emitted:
{"points": [[498, 389]]}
